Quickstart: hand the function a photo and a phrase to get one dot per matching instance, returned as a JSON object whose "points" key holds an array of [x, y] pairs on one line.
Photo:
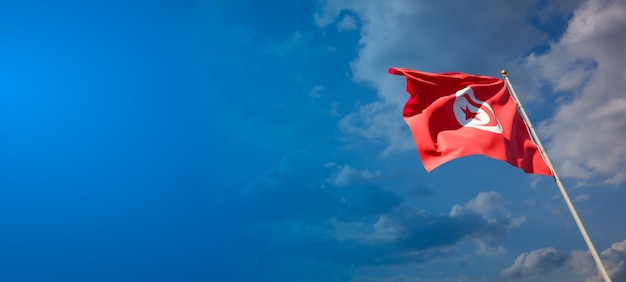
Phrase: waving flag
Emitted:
{"points": [[452, 115]]}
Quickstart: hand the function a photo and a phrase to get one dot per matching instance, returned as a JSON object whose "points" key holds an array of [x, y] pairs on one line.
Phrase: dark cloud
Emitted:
{"points": [[409, 234], [534, 263], [293, 216]]}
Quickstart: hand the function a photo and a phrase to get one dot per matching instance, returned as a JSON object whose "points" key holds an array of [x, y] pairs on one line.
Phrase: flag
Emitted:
{"points": [[452, 115]]}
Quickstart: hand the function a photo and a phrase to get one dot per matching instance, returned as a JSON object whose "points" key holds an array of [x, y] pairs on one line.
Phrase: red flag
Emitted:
{"points": [[452, 115]]}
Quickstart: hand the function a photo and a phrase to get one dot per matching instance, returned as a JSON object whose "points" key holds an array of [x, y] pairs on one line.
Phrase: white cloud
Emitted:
{"points": [[484, 203], [586, 133], [417, 229], [613, 258], [534, 263], [490, 205]]}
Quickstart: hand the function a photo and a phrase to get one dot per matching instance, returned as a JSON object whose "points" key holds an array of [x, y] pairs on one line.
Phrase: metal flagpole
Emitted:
{"points": [[581, 227]]}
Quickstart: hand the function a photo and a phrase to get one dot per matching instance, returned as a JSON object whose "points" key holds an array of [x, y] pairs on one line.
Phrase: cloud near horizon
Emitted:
{"points": [[349, 210], [534, 263]]}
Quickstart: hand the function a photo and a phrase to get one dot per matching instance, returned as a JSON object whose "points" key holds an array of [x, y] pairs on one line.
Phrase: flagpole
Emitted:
{"points": [[581, 227]]}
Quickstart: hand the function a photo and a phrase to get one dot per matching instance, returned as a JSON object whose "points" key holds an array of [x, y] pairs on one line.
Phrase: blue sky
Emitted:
{"points": [[263, 141]]}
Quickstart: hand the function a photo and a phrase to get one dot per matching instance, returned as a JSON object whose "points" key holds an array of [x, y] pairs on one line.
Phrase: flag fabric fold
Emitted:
{"points": [[453, 115]]}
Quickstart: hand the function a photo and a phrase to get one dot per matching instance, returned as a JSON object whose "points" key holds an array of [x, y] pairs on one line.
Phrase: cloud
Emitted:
{"points": [[316, 90], [483, 204], [354, 221], [534, 263], [400, 33], [489, 205], [580, 198], [410, 234], [377, 121], [347, 175], [585, 135], [342, 218], [614, 259], [347, 23]]}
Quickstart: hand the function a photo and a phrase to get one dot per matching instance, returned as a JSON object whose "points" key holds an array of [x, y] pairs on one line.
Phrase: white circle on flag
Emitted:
{"points": [[471, 112]]}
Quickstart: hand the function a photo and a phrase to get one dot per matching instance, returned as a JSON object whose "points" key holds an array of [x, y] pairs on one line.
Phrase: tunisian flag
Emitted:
{"points": [[452, 115]]}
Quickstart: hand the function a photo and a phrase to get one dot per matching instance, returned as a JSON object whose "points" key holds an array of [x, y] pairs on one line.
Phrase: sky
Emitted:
{"points": [[263, 141]]}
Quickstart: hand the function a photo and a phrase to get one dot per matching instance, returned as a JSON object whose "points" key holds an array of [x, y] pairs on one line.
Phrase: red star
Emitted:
{"points": [[469, 114]]}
